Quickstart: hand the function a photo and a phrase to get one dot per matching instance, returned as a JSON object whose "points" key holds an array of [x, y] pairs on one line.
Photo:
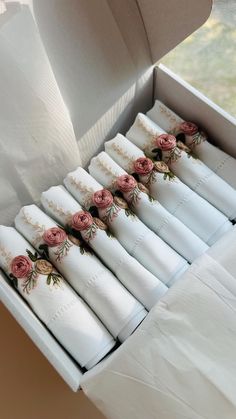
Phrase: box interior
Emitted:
{"points": [[102, 57]]}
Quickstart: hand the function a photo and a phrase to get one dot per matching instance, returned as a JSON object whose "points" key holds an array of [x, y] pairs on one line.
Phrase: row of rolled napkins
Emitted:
{"points": [[156, 143], [143, 263], [52, 299], [120, 312], [146, 287], [196, 213], [150, 211], [142, 243], [217, 160]]}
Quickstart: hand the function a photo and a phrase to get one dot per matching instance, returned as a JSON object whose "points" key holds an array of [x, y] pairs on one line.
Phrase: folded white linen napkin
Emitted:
{"points": [[67, 211], [195, 212], [218, 161], [137, 239], [193, 172], [120, 312], [149, 210], [52, 299]]}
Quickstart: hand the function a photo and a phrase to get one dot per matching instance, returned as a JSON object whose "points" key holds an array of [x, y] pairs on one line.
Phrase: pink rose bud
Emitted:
{"points": [[189, 128], [126, 183], [102, 198], [21, 266], [54, 236], [143, 166], [166, 142], [82, 220]]}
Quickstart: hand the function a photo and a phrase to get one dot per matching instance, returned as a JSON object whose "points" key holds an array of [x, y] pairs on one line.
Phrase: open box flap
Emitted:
{"points": [[93, 58], [101, 53], [167, 23]]}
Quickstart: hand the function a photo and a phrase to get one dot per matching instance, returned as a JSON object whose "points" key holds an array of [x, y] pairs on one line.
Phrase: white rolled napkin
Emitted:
{"points": [[136, 238], [220, 162], [149, 210], [56, 304], [67, 211], [193, 172], [195, 212], [120, 312]]}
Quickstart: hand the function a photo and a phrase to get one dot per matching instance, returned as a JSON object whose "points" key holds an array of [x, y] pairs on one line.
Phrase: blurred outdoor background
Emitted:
{"points": [[207, 59]]}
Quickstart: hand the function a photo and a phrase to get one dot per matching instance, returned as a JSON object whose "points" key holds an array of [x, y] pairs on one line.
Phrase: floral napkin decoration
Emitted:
{"points": [[26, 270], [131, 188], [191, 130], [110, 205], [146, 168], [83, 221], [169, 150]]}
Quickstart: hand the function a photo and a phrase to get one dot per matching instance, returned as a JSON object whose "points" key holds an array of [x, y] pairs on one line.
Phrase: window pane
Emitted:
{"points": [[207, 59]]}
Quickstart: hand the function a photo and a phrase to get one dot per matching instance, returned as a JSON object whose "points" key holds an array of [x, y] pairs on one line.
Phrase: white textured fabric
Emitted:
{"points": [[224, 252], [114, 305], [150, 211], [58, 306], [180, 363], [194, 211], [137, 239], [218, 161], [193, 172], [139, 281], [37, 144]]}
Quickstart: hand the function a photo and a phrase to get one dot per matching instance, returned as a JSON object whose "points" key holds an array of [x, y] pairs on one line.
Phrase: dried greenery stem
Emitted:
{"points": [[91, 232], [30, 282], [111, 213], [197, 139], [62, 250], [134, 196]]}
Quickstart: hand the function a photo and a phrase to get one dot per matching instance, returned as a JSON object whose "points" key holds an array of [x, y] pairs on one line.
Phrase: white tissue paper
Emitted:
{"points": [[180, 363]]}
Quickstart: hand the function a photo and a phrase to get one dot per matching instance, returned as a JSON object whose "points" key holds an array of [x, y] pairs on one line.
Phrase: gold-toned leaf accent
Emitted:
{"points": [[150, 132], [125, 155], [59, 210], [38, 228], [108, 170], [172, 118], [7, 256], [86, 191]]}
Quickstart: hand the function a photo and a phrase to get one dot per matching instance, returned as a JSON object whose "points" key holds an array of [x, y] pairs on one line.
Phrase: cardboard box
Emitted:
{"points": [[102, 54]]}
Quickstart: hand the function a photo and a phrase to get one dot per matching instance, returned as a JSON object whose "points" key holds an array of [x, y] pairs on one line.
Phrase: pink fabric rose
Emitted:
{"points": [[126, 183], [102, 198], [189, 128], [54, 236], [166, 142], [21, 266], [143, 166], [82, 220]]}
